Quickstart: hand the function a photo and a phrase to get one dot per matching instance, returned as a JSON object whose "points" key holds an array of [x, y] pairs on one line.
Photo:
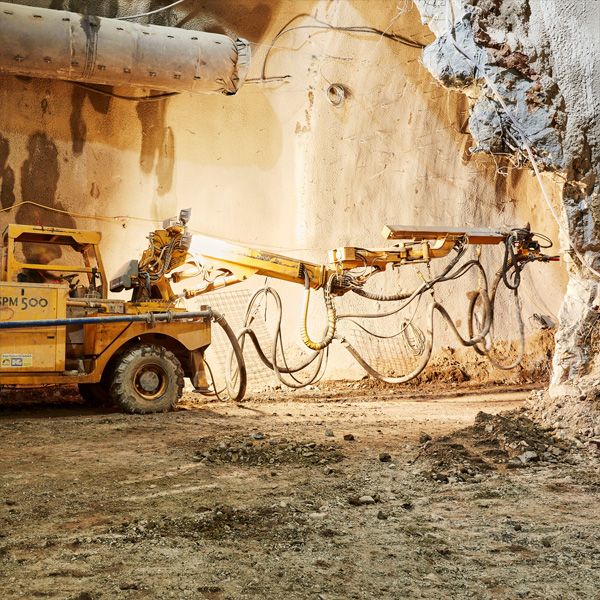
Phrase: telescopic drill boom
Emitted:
{"points": [[174, 255]]}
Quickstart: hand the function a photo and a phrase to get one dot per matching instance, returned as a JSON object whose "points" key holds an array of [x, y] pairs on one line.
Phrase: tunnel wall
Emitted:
{"points": [[282, 165]]}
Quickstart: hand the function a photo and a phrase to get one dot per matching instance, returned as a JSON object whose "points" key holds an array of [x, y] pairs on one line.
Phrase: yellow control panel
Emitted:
{"points": [[32, 349]]}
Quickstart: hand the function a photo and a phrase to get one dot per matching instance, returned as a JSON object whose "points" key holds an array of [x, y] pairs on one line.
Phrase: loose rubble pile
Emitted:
{"points": [[572, 420], [494, 443], [255, 450]]}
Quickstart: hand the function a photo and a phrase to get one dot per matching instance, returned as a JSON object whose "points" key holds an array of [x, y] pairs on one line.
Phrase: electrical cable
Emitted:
{"points": [[216, 392], [324, 25], [542, 310], [123, 219], [78, 215], [152, 12]]}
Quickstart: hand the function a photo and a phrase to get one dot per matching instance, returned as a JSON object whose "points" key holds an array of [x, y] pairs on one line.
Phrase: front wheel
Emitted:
{"points": [[147, 379]]}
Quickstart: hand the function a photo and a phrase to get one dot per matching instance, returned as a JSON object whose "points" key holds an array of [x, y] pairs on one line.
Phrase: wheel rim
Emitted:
{"points": [[150, 381]]}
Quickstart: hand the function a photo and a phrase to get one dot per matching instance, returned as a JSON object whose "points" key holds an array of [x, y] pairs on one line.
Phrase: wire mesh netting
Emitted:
{"points": [[392, 357], [392, 345], [233, 306], [593, 336]]}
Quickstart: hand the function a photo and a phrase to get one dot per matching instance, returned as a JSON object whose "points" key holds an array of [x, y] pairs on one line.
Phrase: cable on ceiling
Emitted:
{"points": [[152, 12], [327, 26]]}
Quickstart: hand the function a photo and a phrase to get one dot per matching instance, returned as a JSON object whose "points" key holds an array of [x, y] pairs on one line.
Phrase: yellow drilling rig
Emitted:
{"points": [[57, 325]]}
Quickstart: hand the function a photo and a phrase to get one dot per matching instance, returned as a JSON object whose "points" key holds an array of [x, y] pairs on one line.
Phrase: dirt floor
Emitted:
{"points": [[340, 492]]}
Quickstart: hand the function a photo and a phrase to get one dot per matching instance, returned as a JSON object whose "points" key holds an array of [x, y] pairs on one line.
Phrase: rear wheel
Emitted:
{"points": [[147, 379]]}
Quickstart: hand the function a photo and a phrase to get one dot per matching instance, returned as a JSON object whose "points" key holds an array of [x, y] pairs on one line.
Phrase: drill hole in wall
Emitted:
{"points": [[336, 94]]}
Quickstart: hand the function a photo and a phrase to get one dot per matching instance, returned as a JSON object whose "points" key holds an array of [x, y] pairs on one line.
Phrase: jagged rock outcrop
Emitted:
{"points": [[542, 55]]}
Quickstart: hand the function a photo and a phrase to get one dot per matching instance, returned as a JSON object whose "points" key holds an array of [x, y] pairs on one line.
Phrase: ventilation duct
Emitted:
{"points": [[58, 44]]}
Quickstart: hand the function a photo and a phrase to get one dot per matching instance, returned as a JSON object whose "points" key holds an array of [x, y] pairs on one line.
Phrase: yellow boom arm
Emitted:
{"points": [[175, 255]]}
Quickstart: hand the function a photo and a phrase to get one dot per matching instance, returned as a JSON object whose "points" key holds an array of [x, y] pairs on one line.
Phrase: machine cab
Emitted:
{"points": [[35, 254]]}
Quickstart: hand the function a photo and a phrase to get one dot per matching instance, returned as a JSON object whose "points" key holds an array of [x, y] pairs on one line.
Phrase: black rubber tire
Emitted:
{"points": [[95, 394], [160, 368]]}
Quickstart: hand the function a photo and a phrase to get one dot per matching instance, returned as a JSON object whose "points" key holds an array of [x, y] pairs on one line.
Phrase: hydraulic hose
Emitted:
{"points": [[378, 297], [473, 341], [273, 364], [428, 343], [331, 318], [147, 317], [485, 347], [250, 332], [509, 259], [419, 368], [489, 317], [460, 247], [235, 348]]}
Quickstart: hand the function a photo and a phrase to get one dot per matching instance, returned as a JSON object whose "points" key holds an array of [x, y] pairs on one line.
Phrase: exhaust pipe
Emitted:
{"points": [[58, 44]]}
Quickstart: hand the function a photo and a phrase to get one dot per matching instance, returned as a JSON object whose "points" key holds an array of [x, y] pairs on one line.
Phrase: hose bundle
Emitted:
{"points": [[418, 343]]}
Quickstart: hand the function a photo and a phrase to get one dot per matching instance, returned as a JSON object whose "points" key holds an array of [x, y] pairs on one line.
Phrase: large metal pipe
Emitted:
{"points": [[58, 44]]}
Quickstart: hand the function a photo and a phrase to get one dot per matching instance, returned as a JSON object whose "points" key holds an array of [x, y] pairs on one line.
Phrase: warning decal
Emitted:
{"points": [[16, 361]]}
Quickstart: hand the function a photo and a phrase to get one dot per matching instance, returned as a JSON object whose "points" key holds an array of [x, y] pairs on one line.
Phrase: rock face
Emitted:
{"points": [[542, 56]]}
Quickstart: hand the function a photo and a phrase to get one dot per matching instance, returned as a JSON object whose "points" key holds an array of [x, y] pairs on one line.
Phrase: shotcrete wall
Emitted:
{"points": [[279, 165]]}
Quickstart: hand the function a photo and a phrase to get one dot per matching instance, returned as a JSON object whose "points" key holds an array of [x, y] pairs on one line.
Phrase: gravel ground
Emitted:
{"points": [[329, 494]]}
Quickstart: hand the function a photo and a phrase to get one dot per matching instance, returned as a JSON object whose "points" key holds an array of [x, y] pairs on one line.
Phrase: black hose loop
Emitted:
{"points": [[272, 364], [510, 259], [239, 395]]}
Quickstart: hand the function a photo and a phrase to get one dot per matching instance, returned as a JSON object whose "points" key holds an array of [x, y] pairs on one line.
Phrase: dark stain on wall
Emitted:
{"points": [[158, 144], [7, 175], [166, 163], [99, 102], [245, 18], [77, 122], [39, 182]]}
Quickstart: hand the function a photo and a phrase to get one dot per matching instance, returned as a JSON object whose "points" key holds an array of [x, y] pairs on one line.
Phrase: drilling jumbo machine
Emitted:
{"points": [[57, 325]]}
